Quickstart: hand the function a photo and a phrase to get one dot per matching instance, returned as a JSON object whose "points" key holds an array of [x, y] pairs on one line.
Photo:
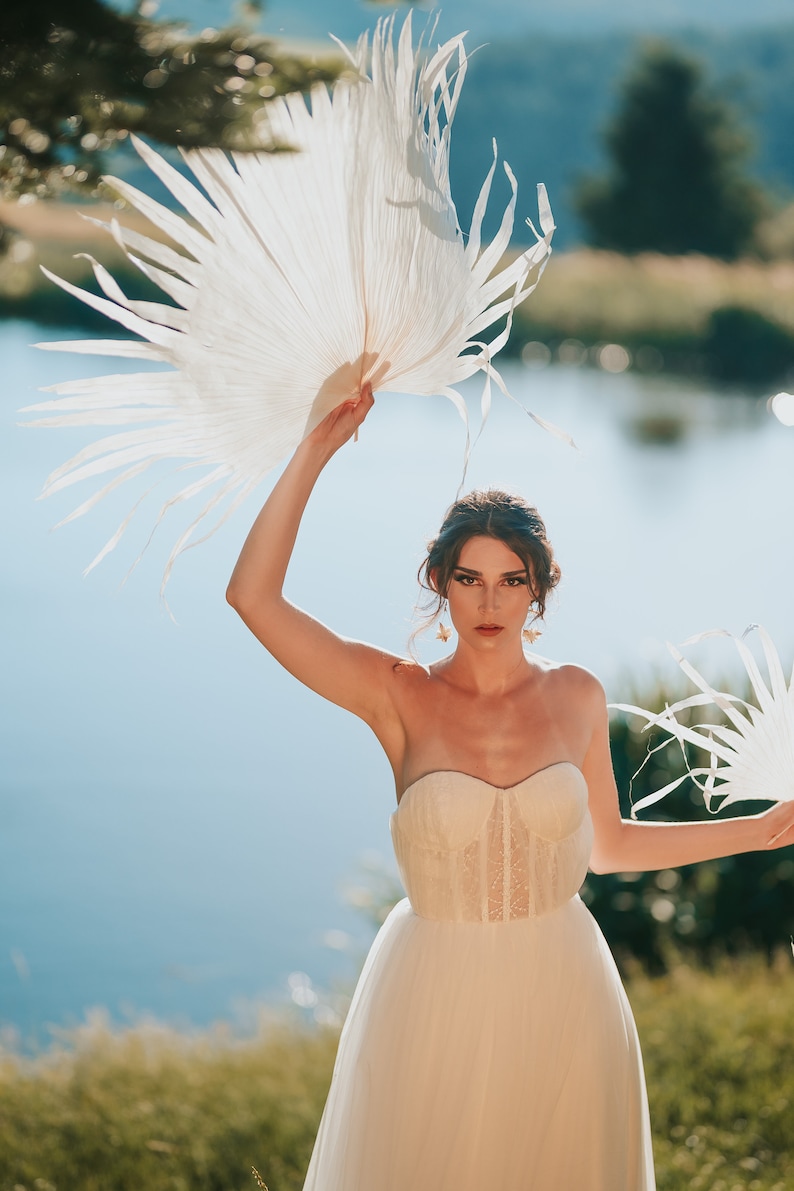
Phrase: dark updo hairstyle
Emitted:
{"points": [[494, 514]]}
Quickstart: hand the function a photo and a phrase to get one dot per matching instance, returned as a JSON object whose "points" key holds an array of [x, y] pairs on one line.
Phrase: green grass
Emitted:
{"points": [[719, 1056], [151, 1108], [604, 294]]}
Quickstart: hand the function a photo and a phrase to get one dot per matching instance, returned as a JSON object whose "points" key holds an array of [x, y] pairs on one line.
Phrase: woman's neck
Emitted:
{"points": [[492, 673]]}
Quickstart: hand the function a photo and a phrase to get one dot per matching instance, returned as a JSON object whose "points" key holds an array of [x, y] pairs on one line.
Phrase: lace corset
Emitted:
{"points": [[472, 852]]}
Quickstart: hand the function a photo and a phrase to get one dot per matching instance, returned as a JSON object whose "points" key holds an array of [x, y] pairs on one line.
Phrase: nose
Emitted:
{"points": [[489, 598]]}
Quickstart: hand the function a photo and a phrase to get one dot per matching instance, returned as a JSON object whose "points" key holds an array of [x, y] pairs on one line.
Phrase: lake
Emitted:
{"points": [[180, 820]]}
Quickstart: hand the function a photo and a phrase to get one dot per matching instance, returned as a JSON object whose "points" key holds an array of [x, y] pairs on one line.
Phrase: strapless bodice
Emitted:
{"points": [[472, 852]]}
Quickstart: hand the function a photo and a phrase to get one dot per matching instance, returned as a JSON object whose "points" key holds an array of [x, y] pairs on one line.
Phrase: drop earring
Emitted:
{"points": [[443, 633], [529, 633]]}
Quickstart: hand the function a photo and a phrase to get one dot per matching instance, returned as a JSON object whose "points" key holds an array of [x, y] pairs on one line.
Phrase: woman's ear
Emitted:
{"points": [[433, 578]]}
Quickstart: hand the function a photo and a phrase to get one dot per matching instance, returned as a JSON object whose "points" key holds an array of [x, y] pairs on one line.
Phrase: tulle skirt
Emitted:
{"points": [[497, 1056]]}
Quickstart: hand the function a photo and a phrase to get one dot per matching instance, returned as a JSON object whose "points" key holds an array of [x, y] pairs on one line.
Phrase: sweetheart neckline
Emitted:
{"points": [[483, 782]]}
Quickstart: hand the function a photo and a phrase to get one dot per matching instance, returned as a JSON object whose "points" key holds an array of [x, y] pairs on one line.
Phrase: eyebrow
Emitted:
{"points": [[504, 575]]}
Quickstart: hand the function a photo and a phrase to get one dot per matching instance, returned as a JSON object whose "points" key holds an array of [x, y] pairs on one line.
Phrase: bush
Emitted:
{"points": [[744, 345]]}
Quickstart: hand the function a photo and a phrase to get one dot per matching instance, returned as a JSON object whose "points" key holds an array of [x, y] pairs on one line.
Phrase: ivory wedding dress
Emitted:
{"points": [[490, 1045]]}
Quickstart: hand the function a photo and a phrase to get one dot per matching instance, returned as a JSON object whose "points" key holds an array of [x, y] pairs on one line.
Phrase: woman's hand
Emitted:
{"points": [[343, 422], [776, 826], [623, 845]]}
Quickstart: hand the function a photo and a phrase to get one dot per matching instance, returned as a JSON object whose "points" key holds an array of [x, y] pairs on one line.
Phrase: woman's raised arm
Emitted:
{"points": [[348, 673]]}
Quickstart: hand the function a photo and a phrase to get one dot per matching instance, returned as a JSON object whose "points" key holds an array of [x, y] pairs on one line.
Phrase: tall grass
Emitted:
{"points": [[603, 294], [719, 1055], [150, 1108]]}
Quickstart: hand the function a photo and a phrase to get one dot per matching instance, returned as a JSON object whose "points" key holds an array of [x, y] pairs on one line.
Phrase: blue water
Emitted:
{"points": [[500, 18], [178, 819]]}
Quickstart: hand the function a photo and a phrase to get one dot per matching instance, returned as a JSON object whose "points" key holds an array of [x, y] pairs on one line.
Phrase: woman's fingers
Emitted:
{"points": [[343, 421], [782, 824], [362, 406], [364, 403], [357, 407]]}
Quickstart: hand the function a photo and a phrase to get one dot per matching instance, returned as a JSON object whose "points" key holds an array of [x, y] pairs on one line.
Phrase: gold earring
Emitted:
{"points": [[443, 633]]}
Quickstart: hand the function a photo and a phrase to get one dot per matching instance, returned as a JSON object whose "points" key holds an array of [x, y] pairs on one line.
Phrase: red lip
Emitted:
{"points": [[489, 630]]}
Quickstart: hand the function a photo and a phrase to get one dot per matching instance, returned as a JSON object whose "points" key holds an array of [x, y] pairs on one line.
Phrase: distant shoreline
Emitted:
{"points": [[692, 315]]}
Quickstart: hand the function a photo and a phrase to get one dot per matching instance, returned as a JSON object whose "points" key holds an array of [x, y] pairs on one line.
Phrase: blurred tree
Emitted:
{"points": [[77, 78], [676, 182]]}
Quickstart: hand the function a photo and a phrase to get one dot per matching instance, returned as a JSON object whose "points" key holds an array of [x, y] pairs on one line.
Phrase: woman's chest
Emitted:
{"points": [[498, 739]]}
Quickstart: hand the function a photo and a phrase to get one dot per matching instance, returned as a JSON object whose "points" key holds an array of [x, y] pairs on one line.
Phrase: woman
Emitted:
{"points": [[489, 1045]]}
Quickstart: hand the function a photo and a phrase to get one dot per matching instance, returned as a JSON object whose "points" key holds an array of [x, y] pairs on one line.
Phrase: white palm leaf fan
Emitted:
{"points": [[751, 756], [297, 277]]}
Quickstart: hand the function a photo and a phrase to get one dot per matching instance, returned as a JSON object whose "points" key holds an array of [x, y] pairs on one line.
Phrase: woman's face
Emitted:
{"points": [[489, 593]]}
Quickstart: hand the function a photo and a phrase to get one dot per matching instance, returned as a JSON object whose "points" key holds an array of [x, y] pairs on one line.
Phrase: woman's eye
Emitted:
{"points": [[468, 580]]}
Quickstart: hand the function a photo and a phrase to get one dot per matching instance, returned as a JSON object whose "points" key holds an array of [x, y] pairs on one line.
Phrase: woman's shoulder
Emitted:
{"points": [[571, 679]]}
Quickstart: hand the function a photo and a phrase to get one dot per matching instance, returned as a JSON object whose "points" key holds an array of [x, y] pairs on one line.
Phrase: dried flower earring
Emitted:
{"points": [[443, 633], [529, 633]]}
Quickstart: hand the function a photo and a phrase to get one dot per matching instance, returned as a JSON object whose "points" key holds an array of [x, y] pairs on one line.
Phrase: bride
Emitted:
{"points": [[489, 1043]]}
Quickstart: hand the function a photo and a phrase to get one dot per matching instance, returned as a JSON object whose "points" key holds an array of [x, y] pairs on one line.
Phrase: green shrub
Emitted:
{"points": [[745, 345]]}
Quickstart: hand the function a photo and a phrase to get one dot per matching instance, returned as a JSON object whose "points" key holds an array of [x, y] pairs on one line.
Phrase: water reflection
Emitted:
{"points": [[671, 412]]}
